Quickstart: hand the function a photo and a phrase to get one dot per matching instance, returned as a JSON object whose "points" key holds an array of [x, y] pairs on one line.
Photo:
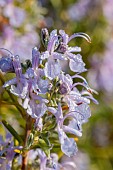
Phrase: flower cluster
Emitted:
{"points": [[50, 96]]}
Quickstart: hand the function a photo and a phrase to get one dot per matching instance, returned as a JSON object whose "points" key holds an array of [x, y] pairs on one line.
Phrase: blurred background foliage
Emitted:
{"points": [[20, 25]]}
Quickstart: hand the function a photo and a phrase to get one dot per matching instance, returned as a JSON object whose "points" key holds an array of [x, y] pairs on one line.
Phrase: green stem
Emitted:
{"points": [[12, 131], [27, 133]]}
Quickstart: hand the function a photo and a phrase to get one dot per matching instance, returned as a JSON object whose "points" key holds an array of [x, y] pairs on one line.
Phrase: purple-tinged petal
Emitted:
{"points": [[6, 64], [78, 76], [80, 34], [59, 113], [29, 110], [17, 66], [64, 88], [15, 90], [40, 110], [66, 79], [76, 63], [75, 124], [74, 49], [29, 73], [52, 44], [26, 102], [35, 58], [92, 98], [21, 89], [32, 109], [43, 159], [84, 109], [53, 33], [77, 66], [79, 99], [71, 130], [73, 56], [58, 56], [52, 69], [64, 36], [76, 117], [45, 55], [10, 82], [43, 86], [68, 145]]}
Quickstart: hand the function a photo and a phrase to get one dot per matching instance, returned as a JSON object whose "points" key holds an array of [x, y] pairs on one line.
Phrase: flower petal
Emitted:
{"points": [[68, 145], [77, 66], [6, 64], [35, 58], [26, 102], [44, 55], [17, 66], [52, 69], [84, 109], [74, 49], [58, 56], [10, 82], [40, 110], [43, 86], [72, 130], [64, 36]]}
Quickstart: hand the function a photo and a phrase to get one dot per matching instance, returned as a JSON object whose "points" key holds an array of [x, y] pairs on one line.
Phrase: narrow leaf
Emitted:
{"points": [[12, 131]]}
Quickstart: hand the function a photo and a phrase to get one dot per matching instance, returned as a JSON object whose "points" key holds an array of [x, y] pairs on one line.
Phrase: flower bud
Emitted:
{"points": [[6, 64]]}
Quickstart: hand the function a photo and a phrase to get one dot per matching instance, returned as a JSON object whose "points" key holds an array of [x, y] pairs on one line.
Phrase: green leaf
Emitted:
{"points": [[44, 146], [30, 140], [47, 151], [12, 131], [42, 142]]}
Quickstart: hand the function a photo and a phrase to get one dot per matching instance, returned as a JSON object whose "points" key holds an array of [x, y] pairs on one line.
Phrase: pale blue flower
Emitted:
{"points": [[76, 63], [21, 87], [52, 66], [57, 49], [71, 95], [68, 145]]}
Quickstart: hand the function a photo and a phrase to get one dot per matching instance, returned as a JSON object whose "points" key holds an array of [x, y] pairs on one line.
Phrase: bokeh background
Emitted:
{"points": [[20, 25]]}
